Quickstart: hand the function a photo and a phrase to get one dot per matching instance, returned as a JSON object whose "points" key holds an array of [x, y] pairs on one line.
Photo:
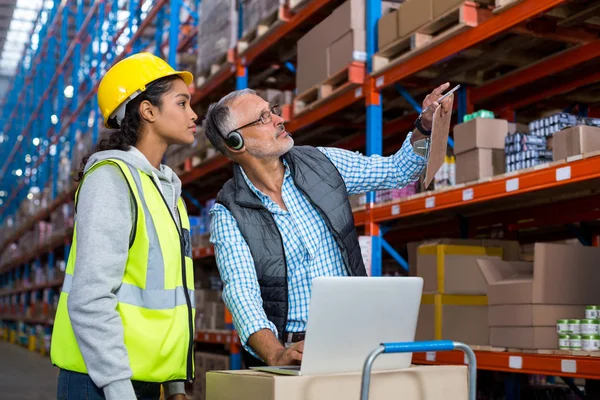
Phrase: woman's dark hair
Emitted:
{"points": [[128, 133]]}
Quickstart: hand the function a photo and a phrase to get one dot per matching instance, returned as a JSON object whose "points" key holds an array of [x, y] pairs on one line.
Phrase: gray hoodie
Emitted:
{"points": [[104, 225]]}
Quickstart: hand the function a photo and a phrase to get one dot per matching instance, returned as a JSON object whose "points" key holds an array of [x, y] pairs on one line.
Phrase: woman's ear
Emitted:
{"points": [[148, 112]]}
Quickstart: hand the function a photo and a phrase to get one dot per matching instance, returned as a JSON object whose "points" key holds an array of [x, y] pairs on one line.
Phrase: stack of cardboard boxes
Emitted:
{"points": [[333, 44], [210, 310], [527, 298], [217, 34], [454, 304], [479, 148], [207, 362]]}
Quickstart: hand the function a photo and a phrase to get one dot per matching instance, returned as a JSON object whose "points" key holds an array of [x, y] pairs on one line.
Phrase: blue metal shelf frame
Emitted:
{"points": [[36, 106]]}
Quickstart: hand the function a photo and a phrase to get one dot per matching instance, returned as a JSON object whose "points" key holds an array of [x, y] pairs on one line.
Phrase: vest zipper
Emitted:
{"points": [[190, 356]]}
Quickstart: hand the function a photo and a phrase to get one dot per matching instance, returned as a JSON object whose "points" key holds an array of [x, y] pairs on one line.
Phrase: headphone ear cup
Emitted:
{"points": [[235, 140]]}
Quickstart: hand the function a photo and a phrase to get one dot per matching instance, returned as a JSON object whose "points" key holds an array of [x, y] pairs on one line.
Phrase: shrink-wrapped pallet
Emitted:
{"points": [[217, 33]]}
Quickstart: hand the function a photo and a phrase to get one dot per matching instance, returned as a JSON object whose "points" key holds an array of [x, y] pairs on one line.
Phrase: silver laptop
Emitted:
{"points": [[350, 316]]}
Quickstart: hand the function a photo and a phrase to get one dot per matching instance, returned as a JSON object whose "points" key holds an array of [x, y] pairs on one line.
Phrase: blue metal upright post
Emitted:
{"points": [[75, 77], [374, 126], [160, 18], [241, 76], [174, 32]]}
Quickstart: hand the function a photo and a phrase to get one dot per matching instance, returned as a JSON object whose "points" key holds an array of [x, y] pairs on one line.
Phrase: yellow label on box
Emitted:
{"points": [[439, 300]]}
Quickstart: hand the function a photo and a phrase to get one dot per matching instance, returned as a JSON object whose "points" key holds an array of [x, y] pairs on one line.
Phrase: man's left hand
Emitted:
{"points": [[178, 397], [431, 102]]}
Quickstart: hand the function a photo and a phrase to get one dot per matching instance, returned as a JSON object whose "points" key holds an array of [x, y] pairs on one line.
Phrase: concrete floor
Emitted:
{"points": [[25, 375]]}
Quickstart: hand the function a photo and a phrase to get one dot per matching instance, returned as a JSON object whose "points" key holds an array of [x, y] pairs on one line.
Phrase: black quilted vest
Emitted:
{"points": [[320, 181]]}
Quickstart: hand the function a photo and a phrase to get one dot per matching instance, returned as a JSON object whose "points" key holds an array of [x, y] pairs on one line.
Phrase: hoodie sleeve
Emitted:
{"points": [[104, 224]]}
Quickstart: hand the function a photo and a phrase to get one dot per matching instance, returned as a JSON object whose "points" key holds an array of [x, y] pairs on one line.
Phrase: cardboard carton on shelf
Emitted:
{"points": [[417, 383], [526, 298], [461, 318], [480, 133], [511, 249], [479, 163], [452, 269], [574, 141], [341, 35]]}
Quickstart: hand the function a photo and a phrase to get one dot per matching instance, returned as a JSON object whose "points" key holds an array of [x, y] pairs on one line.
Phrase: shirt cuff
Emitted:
{"points": [[119, 390], [250, 329], [173, 388], [407, 150]]}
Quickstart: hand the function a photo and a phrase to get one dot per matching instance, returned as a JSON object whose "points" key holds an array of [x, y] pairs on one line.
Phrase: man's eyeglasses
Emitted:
{"points": [[265, 117]]}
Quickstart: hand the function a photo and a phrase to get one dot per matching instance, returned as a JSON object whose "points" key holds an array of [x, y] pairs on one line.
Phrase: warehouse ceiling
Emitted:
{"points": [[17, 19]]}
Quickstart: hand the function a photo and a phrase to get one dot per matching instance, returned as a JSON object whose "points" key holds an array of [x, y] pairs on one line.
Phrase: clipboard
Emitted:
{"points": [[439, 141]]}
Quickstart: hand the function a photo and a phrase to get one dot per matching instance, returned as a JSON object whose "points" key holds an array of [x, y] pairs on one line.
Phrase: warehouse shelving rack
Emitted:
{"points": [[465, 210]]}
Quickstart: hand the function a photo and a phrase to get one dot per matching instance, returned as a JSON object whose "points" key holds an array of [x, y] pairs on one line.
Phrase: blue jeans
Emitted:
{"points": [[76, 386]]}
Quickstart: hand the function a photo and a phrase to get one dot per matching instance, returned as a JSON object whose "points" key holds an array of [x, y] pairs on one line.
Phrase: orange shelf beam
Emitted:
{"points": [[218, 337], [504, 186], [552, 365], [203, 252], [493, 26], [212, 84], [545, 68], [205, 168], [41, 286], [555, 89], [324, 110]]}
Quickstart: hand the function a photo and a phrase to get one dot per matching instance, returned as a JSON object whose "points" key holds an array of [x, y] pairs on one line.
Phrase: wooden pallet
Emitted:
{"points": [[464, 17], [348, 78], [225, 61], [265, 26]]}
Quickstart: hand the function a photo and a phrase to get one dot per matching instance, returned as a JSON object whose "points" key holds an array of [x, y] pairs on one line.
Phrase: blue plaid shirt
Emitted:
{"points": [[310, 249]]}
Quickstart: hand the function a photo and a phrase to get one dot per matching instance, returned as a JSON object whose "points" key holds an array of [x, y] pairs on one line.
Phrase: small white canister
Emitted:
{"points": [[590, 342], [592, 312], [575, 326], [589, 326]]}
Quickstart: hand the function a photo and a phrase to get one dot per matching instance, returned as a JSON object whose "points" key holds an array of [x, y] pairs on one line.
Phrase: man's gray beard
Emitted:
{"points": [[267, 153]]}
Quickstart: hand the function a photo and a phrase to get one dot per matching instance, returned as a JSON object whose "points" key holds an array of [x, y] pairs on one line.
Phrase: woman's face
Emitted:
{"points": [[176, 119]]}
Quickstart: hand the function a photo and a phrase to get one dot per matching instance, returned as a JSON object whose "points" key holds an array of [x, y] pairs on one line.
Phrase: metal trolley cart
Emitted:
{"points": [[418, 347]]}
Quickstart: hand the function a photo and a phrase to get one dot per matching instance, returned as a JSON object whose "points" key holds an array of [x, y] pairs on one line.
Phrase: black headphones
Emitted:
{"points": [[233, 139]]}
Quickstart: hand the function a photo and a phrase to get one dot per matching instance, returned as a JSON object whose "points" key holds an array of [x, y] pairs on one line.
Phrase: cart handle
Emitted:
{"points": [[418, 347]]}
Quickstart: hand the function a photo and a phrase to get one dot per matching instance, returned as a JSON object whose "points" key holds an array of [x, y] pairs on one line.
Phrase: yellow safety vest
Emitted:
{"points": [[156, 298]]}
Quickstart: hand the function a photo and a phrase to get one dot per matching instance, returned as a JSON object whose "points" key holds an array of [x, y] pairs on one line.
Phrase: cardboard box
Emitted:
{"points": [[387, 29], [480, 133], [576, 140], [454, 317], [511, 249], [532, 314], [415, 383], [479, 163], [441, 7], [350, 47], [516, 127], [412, 15], [312, 58], [524, 337], [452, 269], [559, 275], [204, 363]]}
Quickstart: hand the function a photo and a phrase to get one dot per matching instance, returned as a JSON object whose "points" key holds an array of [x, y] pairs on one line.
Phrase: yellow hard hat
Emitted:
{"points": [[127, 78]]}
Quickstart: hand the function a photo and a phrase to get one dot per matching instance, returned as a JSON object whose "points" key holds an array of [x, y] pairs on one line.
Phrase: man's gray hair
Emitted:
{"points": [[220, 120]]}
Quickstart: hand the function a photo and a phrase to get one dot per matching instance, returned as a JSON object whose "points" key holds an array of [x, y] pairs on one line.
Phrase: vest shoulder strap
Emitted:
{"points": [[130, 184]]}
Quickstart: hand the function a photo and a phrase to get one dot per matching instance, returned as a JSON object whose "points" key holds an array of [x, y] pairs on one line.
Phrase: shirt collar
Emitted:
{"points": [[263, 197]]}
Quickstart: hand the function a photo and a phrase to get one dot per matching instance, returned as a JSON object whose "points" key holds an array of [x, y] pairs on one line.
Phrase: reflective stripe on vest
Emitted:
{"points": [[152, 301], [157, 299]]}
